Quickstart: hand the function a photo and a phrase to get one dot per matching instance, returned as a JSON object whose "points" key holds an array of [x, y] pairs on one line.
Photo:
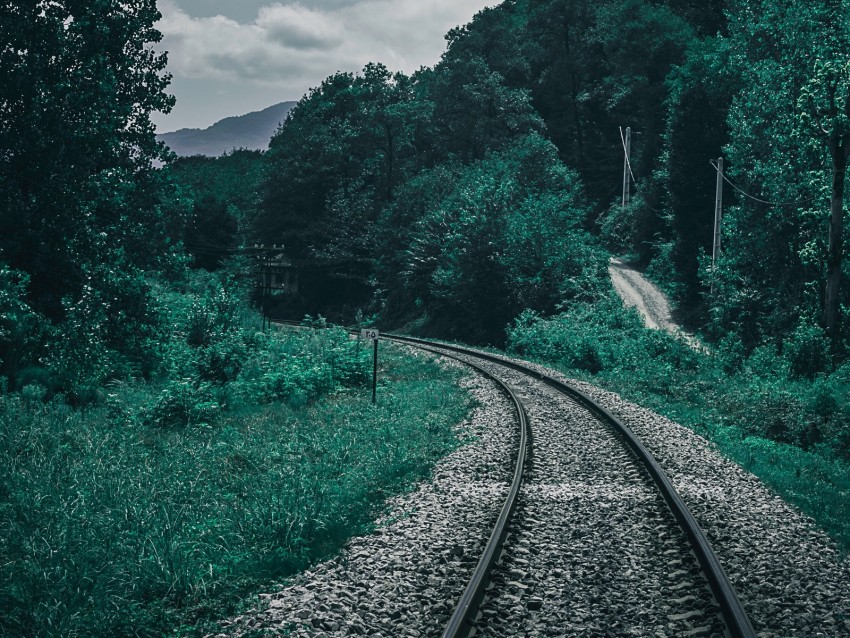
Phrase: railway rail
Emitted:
{"points": [[734, 616], [496, 575]]}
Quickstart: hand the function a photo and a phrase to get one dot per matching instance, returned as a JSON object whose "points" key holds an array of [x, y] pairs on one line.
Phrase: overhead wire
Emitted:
{"points": [[753, 197], [629, 165]]}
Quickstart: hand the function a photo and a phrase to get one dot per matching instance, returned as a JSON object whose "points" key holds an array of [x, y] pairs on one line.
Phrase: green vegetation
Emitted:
{"points": [[389, 160], [490, 184], [162, 458], [167, 505], [762, 411]]}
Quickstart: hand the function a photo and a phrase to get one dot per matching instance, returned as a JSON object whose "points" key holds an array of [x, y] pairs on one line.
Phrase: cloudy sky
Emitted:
{"points": [[230, 57]]}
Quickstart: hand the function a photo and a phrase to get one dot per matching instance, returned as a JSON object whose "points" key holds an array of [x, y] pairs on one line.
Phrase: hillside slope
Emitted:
{"points": [[251, 131]]}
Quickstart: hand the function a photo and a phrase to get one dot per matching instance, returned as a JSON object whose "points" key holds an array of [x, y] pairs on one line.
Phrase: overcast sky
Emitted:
{"points": [[230, 57]]}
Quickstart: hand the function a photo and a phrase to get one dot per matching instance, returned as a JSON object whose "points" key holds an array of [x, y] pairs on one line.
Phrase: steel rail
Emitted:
{"points": [[466, 609], [736, 618]]}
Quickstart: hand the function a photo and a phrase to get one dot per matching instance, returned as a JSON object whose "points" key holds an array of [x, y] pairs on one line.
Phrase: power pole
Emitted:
{"points": [[718, 213], [626, 167]]}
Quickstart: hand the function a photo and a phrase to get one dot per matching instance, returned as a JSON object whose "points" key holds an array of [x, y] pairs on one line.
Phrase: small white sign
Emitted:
{"points": [[369, 333]]}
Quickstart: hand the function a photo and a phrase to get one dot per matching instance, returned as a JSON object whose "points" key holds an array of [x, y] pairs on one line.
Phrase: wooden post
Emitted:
{"points": [[375, 372], [718, 214], [626, 169], [374, 335]]}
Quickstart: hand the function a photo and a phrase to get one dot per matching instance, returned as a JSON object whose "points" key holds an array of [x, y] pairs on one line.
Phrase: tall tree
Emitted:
{"points": [[788, 145], [80, 203], [330, 170], [78, 81], [824, 113], [701, 92]]}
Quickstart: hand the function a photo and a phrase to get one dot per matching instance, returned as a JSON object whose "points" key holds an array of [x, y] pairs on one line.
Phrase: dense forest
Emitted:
{"points": [[494, 179], [489, 182], [477, 200]]}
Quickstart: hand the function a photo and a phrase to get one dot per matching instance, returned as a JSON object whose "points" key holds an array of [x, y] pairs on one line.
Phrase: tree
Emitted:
{"points": [[701, 92], [78, 81], [79, 193], [330, 170], [221, 193], [505, 237], [789, 143], [825, 112]]}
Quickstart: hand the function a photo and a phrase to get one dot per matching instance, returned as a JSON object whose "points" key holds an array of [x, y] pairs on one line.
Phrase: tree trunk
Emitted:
{"points": [[838, 146]]}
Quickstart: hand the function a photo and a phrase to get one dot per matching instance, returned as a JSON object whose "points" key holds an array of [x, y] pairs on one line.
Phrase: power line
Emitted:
{"points": [[757, 199], [629, 165]]}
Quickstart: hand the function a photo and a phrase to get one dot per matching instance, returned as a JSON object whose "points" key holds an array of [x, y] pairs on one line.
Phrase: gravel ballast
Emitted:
{"points": [[787, 572], [595, 550], [403, 579]]}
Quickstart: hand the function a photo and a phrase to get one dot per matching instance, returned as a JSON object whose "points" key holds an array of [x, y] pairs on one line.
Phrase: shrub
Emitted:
{"points": [[22, 330], [807, 351], [182, 403]]}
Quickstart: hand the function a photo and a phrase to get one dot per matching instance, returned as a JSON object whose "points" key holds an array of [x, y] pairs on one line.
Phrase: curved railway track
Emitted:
{"points": [[658, 571], [734, 616]]}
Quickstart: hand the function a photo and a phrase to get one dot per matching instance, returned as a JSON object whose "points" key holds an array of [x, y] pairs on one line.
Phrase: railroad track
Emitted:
{"points": [[683, 557], [597, 541]]}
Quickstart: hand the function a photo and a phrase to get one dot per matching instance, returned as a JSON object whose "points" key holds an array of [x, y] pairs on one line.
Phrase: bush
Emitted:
{"points": [[22, 330], [183, 403], [807, 351]]}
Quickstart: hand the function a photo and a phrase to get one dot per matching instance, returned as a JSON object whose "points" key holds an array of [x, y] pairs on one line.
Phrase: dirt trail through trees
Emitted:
{"points": [[635, 290]]}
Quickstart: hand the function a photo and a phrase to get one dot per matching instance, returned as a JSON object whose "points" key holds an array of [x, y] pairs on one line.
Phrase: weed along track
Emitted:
{"points": [[601, 544]]}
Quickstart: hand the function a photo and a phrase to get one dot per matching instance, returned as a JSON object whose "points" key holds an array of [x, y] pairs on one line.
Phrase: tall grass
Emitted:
{"points": [[762, 411], [149, 515]]}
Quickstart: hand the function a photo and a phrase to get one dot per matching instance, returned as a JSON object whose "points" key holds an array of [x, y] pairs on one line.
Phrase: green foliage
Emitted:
{"points": [[79, 81], [183, 499], [20, 327], [786, 117], [224, 199], [182, 403], [700, 94], [506, 235], [111, 330], [807, 351], [601, 337], [81, 204]]}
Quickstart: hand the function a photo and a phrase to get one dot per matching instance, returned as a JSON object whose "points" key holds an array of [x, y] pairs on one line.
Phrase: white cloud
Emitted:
{"points": [[298, 27], [291, 46]]}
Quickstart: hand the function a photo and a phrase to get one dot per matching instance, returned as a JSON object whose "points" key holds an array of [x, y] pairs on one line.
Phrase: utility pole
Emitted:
{"points": [[718, 214], [626, 168]]}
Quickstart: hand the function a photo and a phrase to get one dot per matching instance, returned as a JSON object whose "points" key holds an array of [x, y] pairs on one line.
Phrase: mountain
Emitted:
{"points": [[252, 131]]}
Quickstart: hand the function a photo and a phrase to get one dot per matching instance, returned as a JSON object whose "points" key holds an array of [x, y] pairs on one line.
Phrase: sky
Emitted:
{"points": [[230, 57]]}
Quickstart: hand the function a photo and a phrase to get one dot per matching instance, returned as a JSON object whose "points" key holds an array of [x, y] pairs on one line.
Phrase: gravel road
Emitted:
{"points": [[637, 291]]}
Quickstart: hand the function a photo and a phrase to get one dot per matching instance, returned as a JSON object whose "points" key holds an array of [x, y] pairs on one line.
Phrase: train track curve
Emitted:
{"points": [[735, 619], [483, 607]]}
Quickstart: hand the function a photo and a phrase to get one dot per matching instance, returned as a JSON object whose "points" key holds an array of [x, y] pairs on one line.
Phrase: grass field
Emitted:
{"points": [[115, 522]]}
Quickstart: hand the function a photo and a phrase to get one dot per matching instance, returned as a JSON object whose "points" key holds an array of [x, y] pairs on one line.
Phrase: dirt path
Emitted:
{"points": [[635, 290]]}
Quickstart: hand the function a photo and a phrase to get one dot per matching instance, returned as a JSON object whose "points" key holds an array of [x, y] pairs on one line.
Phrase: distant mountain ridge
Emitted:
{"points": [[252, 131]]}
